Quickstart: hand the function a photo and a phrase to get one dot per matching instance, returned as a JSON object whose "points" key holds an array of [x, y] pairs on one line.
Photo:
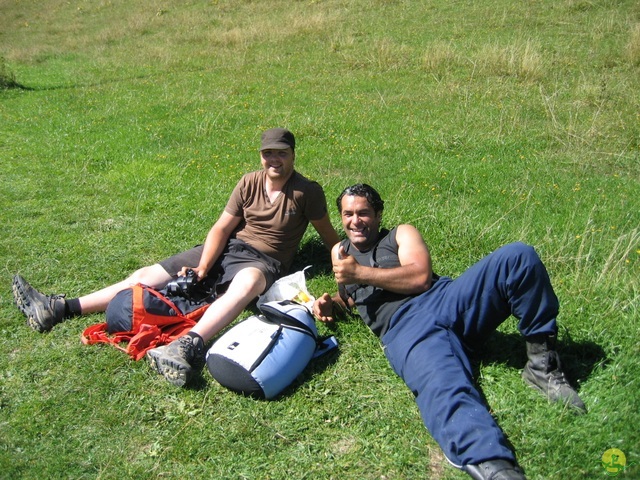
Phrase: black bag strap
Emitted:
{"points": [[273, 315], [265, 352]]}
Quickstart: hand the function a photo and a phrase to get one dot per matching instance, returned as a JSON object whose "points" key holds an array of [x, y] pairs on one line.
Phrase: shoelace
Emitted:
{"points": [[185, 347], [53, 298], [559, 377]]}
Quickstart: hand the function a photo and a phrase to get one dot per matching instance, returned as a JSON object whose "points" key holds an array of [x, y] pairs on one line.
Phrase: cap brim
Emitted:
{"points": [[276, 146]]}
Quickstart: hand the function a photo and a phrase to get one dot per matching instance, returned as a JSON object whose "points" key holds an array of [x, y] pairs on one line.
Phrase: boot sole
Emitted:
{"points": [[174, 373], [153, 356], [19, 296]]}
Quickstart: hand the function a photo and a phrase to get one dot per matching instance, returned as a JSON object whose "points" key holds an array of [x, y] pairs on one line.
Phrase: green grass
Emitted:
{"points": [[125, 125]]}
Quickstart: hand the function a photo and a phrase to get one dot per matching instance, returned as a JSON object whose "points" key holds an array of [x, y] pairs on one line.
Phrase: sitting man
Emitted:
{"points": [[428, 324], [251, 245]]}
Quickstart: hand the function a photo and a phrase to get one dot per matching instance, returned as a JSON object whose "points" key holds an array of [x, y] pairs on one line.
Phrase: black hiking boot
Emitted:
{"points": [[179, 360], [544, 372], [495, 470], [42, 311]]}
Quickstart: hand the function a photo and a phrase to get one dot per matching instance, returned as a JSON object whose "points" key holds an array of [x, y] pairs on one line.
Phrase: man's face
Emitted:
{"points": [[360, 222], [278, 163]]}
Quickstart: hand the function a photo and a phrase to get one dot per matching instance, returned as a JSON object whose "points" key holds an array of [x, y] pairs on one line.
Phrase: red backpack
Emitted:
{"points": [[144, 318]]}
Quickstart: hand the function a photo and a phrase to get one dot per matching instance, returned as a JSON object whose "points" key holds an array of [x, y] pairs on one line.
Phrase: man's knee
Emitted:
{"points": [[526, 254], [249, 279], [150, 275]]}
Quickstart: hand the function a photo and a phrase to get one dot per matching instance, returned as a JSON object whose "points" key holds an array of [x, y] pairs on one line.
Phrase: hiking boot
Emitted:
{"points": [[178, 361], [544, 372], [495, 470], [42, 311]]}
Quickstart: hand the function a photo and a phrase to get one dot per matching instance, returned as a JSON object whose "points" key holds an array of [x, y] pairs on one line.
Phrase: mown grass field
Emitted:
{"points": [[125, 125]]}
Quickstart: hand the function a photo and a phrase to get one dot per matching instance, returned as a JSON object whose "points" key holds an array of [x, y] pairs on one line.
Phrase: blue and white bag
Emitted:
{"points": [[264, 354]]}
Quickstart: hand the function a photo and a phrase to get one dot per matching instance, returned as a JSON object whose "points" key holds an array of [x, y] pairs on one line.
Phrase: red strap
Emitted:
{"points": [[150, 336], [98, 334], [94, 334]]}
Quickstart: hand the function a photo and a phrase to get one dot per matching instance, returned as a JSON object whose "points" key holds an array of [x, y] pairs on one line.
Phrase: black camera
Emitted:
{"points": [[184, 286]]}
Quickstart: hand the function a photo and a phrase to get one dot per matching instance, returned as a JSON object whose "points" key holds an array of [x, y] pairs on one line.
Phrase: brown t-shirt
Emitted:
{"points": [[275, 228]]}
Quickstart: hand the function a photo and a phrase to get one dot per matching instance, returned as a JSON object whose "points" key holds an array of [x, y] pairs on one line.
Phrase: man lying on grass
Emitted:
{"points": [[428, 324]]}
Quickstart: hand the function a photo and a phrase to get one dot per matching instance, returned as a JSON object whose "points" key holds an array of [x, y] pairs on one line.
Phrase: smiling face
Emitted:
{"points": [[278, 163], [360, 221]]}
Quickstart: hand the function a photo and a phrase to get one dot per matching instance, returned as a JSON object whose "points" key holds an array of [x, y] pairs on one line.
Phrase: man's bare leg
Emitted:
{"points": [[153, 276], [178, 360], [45, 311]]}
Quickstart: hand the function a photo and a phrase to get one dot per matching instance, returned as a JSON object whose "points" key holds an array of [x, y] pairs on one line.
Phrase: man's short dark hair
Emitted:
{"points": [[362, 190]]}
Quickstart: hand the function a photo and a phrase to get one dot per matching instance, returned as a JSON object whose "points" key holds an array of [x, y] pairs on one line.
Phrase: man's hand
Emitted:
{"points": [[323, 308], [345, 267], [200, 272]]}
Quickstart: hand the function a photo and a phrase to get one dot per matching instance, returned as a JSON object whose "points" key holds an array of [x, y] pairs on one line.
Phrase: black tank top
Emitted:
{"points": [[375, 305]]}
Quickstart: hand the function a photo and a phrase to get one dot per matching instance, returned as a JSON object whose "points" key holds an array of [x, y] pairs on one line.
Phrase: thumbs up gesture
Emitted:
{"points": [[345, 266]]}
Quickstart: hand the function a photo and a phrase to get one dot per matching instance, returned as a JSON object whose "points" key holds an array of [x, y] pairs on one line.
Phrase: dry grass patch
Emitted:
{"points": [[7, 77], [439, 57], [633, 45], [522, 60], [519, 60]]}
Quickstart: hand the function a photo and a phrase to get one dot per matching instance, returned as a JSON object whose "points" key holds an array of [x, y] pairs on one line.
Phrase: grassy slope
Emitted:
{"points": [[480, 124]]}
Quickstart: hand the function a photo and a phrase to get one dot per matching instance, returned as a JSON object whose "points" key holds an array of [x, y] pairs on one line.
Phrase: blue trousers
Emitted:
{"points": [[428, 339]]}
